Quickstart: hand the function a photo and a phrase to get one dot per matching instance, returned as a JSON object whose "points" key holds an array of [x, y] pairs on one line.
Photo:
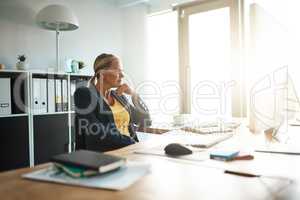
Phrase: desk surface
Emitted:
{"points": [[169, 179]]}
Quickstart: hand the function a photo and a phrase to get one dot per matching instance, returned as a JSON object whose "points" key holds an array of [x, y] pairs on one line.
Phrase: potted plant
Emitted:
{"points": [[81, 64], [77, 66], [21, 64]]}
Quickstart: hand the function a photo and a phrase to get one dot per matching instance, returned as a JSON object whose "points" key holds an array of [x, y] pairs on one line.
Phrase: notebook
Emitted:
{"points": [[76, 172], [90, 160]]}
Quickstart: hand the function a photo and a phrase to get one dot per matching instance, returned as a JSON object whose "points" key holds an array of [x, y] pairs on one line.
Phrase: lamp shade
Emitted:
{"points": [[57, 17]]}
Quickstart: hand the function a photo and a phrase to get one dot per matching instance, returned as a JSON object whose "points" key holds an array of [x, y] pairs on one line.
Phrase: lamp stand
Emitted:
{"points": [[57, 18], [57, 48]]}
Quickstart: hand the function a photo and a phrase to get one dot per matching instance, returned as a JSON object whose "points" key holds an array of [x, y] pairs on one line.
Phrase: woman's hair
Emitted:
{"points": [[102, 61]]}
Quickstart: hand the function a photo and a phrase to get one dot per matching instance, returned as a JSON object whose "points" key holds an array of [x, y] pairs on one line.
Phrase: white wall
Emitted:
{"points": [[134, 42], [99, 31], [105, 26]]}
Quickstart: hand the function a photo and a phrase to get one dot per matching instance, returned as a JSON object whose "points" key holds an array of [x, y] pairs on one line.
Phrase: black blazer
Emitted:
{"points": [[95, 126]]}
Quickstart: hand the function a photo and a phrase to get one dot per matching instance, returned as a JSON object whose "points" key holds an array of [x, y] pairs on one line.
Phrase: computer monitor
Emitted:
{"points": [[268, 71]]}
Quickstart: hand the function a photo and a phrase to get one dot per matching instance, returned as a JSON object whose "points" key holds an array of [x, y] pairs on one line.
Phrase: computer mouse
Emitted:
{"points": [[176, 149]]}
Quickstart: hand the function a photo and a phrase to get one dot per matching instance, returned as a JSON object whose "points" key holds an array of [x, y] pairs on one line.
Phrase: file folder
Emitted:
{"points": [[36, 95], [72, 91], [65, 94], [39, 95], [5, 96], [58, 95], [16, 106], [51, 96], [43, 95]]}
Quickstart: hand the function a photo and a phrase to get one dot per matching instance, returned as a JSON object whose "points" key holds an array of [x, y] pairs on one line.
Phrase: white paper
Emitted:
{"points": [[116, 180], [142, 136]]}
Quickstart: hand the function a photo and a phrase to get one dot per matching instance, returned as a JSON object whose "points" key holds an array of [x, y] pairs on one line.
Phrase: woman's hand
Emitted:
{"points": [[124, 88]]}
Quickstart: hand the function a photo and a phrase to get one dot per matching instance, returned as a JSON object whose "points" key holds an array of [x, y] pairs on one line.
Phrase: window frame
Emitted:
{"points": [[237, 44]]}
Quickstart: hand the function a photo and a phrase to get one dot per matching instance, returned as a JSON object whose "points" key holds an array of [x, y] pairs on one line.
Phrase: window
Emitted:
{"points": [[210, 67], [161, 90], [225, 48], [206, 58]]}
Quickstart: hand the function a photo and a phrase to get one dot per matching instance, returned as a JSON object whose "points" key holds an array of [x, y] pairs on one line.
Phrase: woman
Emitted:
{"points": [[105, 119]]}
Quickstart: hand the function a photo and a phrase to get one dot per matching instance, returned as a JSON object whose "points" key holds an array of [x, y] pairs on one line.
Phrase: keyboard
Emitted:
{"points": [[197, 140], [212, 127], [213, 141]]}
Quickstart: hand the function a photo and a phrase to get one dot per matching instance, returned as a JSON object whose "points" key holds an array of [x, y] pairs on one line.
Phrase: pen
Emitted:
{"points": [[258, 176], [241, 173], [278, 152]]}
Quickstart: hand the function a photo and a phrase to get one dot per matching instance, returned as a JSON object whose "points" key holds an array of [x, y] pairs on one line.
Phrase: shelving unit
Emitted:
{"points": [[14, 115], [14, 135], [52, 113], [33, 137]]}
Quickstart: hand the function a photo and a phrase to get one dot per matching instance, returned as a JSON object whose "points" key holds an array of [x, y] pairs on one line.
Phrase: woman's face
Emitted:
{"points": [[113, 75]]}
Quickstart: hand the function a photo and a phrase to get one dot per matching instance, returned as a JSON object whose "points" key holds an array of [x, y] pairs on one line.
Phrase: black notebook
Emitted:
{"points": [[90, 160]]}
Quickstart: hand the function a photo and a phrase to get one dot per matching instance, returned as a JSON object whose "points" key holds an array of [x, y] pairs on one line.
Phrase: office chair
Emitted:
{"points": [[79, 138]]}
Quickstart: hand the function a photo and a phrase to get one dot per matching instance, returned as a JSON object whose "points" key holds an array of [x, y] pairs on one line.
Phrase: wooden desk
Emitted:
{"points": [[169, 179]]}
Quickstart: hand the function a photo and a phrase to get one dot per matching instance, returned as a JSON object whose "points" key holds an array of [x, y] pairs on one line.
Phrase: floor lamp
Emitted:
{"points": [[57, 18]]}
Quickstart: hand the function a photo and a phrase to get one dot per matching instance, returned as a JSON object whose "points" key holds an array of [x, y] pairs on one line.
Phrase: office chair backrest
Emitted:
{"points": [[79, 136]]}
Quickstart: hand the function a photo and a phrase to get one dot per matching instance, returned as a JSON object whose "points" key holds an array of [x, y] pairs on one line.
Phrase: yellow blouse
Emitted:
{"points": [[121, 117]]}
